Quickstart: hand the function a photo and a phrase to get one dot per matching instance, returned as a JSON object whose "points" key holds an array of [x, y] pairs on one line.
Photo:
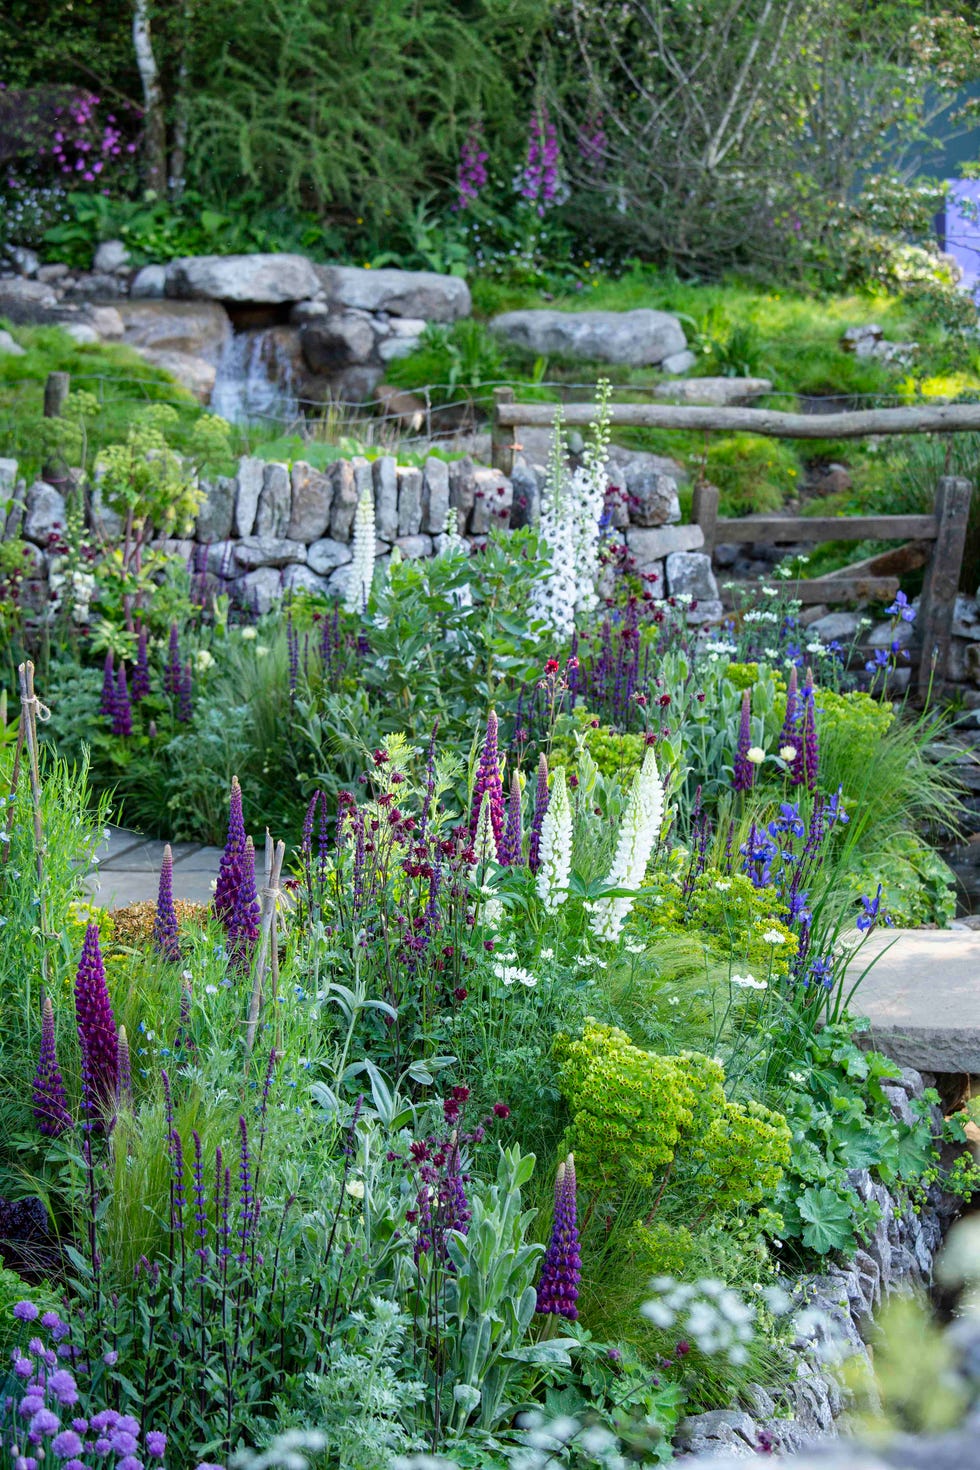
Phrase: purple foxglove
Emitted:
{"points": [[561, 1269], [243, 929], [555, 853], [232, 859], [488, 781], [744, 770], [165, 940], [49, 1096], [541, 798], [638, 831], [96, 1027]]}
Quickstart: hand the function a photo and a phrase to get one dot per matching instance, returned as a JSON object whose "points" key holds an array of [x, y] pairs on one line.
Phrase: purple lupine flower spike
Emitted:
{"points": [[141, 673], [804, 715], [561, 1269], [790, 735], [172, 673], [232, 859], [540, 807], [243, 928], [122, 714], [49, 1096], [107, 704], [124, 1091], [810, 749], [513, 841], [96, 1025], [185, 698], [744, 771], [165, 940], [488, 779]]}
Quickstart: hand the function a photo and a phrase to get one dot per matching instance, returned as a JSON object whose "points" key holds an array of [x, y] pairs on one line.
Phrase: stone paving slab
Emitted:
{"points": [[922, 997]]}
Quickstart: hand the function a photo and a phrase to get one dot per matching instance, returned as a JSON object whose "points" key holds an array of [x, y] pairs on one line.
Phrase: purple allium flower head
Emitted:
{"points": [[107, 704], [232, 859], [45, 1422], [243, 927], [49, 1097], [122, 712], [96, 1026], [62, 1385], [744, 771], [25, 1311], [165, 940], [124, 1092], [488, 780], [513, 839], [156, 1444], [185, 696], [66, 1444], [540, 807], [173, 673], [141, 673], [561, 1270]]}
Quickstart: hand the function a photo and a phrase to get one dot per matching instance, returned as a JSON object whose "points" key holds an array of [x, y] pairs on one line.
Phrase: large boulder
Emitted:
{"points": [[196, 328], [640, 338], [422, 294], [715, 392], [195, 374], [337, 341], [46, 513], [19, 298], [265, 279]]}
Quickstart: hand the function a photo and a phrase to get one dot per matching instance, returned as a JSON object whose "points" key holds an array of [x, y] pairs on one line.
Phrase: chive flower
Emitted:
{"points": [[638, 831], [561, 1269], [49, 1096], [165, 940], [96, 1026], [555, 853]]}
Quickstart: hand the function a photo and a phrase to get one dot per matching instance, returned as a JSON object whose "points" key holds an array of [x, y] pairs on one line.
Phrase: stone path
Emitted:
{"points": [[922, 994]]}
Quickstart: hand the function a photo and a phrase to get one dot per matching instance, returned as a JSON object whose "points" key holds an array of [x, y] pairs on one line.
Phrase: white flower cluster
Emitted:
{"points": [[74, 586], [571, 510], [362, 567], [711, 1314], [556, 845], [638, 831]]}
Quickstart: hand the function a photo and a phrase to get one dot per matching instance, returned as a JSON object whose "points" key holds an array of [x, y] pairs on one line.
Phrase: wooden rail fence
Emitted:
{"points": [[935, 542]]}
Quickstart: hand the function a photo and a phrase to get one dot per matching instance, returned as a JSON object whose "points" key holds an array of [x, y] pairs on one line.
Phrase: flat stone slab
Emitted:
{"points": [[922, 997], [114, 888], [128, 869]]}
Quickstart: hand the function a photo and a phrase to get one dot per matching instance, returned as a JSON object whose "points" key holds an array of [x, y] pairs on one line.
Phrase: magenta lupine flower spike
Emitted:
{"points": [[49, 1096], [124, 1091], [561, 1269], [96, 1025], [107, 704], [141, 673], [165, 940], [790, 735], [122, 713], [243, 929], [173, 673], [744, 771], [488, 780], [513, 842], [537, 820], [230, 871]]}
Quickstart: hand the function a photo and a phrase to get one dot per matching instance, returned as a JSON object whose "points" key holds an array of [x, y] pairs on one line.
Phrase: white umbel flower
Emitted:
{"points": [[638, 831], [556, 845], [362, 566]]}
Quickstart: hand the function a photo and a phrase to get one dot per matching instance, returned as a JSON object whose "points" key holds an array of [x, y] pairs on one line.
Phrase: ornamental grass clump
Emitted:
{"points": [[638, 831], [48, 1092], [561, 1269], [96, 1030]]}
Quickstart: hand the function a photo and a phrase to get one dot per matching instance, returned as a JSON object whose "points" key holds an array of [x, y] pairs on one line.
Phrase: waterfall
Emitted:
{"points": [[254, 380]]}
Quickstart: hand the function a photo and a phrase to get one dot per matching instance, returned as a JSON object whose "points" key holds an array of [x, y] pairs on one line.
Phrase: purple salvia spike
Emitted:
{"points": [[122, 714], [107, 704], [172, 670], [96, 1025], [124, 1091], [49, 1096], [246, 1193], [744, 771], [232, 859], [165, 940], [141, 673], [540, 807], [561, 1269], [200, 1199], [513, 841], [488, 780], [243, 929]]}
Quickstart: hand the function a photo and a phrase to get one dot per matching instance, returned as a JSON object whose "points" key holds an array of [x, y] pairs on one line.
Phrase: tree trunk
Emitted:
{"points": [[154, 125]]}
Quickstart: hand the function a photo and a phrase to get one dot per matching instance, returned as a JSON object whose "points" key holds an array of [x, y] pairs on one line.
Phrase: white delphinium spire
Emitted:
{"points": [[362, 566], [571, 509], [556, 845], [638, 831]]}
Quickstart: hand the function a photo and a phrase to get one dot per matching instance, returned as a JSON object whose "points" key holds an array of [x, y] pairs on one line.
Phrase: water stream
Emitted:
{"points": [[254, 379]]}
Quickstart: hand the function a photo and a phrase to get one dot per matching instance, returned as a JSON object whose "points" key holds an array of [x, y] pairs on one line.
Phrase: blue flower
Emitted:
{"points": [[901, 608], [869, 918]]}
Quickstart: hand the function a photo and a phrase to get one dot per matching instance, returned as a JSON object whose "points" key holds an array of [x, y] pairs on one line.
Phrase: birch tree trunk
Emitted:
{"points": [[154, 124]]}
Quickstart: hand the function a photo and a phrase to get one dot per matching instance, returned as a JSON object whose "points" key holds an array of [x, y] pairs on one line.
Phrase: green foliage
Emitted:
{"points": [[918, 888], [752, 474], [455, 361]]}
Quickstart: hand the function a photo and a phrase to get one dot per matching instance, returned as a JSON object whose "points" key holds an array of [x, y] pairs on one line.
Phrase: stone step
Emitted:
{"points": [[922, 997]]}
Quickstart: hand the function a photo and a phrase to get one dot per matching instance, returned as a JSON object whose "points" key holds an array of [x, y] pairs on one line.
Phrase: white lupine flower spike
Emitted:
{"points": [[556, 845], [638, 831], [362, 565]]}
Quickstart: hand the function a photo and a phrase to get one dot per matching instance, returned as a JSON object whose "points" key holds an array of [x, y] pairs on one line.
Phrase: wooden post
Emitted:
{"points": [[501, 438], [55, 393], [704, 512], [941, 584]]}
